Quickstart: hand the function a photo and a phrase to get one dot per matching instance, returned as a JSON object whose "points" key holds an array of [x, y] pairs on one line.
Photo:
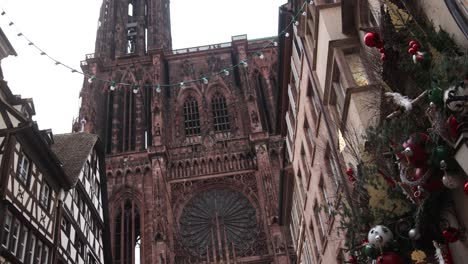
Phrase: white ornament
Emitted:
{"points": [[400, 100], [379, 236]]}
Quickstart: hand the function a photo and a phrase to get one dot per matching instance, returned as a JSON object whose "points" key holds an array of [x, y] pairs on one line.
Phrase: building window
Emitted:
{"points": [[86, 170], [65, 225], [333, 167], [127, 230], [220, 113], [6, 229], [296, 216], [91, 259], [15, 230], [45, 195], [191, 117], [45, 255], [337, 92], [309, 134], [314, 242], [30, 249], [325, 197], [79, 247], [357, 69], [96, 188], [306, 167], [22, 243], [306, 256], [23, 168], [319, 221], [38, 255], [311, 97]]}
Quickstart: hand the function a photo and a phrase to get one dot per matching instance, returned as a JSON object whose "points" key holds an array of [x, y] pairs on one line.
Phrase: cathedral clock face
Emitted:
{"points": [[215, 217]]}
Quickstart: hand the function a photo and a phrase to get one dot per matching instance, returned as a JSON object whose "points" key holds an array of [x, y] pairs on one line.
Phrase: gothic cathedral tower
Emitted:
{"points": [[193, 169]]}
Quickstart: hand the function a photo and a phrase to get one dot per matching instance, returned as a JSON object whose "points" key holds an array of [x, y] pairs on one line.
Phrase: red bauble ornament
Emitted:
{"points": [[411, 43], [383, 58], [419, 173], [417, 144], [412, 51], [350, 172], [390, 258], [451, 234], [452, 126], [465, 188], [382, 50], [416, 46], [352, 259], [371, 39], [419, 57]]}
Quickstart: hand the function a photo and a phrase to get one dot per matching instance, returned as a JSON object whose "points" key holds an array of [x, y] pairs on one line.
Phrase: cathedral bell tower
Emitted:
{"points": [[193, 169], [133, 27], [131, 39]]}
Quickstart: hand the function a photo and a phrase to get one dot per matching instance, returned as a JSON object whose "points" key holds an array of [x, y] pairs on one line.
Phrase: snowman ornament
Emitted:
{"points": [[380, 236], [461, 93]]}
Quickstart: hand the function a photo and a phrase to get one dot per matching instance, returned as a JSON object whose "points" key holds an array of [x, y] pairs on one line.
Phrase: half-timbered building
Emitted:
{"points": [[32, 179], [53, 200], [83, 215]]}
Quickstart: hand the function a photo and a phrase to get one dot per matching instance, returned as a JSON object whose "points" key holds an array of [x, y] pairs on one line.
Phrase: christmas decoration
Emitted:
{"points": [[439, 154], [379, 236], [413, 50], [414, 234], [350, 173], [389, 258], [418, 256], [465, 188], [352, 259], [450, 180], [371, 39], [436, 96], [442, 253], [456, 98], [452, 125], [400, 100], [451, 234], [415, 150], [370, 251], [418, 57]]}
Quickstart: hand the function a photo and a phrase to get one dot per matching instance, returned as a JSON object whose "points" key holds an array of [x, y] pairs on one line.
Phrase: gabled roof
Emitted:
{"points": [[73, 149]]}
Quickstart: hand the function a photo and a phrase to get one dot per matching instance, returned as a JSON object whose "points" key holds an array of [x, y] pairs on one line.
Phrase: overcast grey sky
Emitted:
{"points": [[66, 30]]}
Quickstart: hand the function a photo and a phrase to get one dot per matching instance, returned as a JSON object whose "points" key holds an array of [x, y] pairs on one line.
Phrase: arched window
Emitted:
{"points": [[220, 113], [191, 117], [126, 233]]}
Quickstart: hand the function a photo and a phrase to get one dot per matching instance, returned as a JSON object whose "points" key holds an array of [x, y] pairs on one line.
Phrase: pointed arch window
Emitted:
{"points": [[191, 117], [127, 233], [220, 113]]}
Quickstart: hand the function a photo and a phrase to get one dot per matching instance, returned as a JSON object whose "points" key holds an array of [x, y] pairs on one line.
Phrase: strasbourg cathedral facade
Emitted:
{"points": [[193, 170]]}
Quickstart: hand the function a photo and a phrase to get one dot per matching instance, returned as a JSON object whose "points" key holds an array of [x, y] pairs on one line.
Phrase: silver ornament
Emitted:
{"points": [[450, 180], [443, 165], [414, 234], [408, 152]]}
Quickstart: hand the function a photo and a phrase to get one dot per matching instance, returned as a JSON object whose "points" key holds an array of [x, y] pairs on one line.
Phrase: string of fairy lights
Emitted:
{"points": [[113, 85]]}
